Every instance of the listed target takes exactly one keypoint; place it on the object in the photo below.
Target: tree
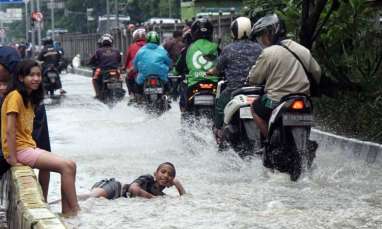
(140, 11)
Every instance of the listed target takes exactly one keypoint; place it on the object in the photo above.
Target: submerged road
(224, 191)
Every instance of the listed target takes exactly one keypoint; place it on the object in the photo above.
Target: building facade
(194, 8)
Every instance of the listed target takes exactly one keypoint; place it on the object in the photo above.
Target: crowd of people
(258, 55)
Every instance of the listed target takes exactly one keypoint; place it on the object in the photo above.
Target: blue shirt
(152, 59)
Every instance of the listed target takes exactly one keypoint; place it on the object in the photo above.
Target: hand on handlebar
(211, 72)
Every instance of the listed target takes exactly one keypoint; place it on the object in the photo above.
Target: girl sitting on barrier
(19, 148)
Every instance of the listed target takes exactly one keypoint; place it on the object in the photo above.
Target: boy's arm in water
(11, 138)
(178, 185)
(136, 190)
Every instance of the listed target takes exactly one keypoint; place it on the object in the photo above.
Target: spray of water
(224, 191)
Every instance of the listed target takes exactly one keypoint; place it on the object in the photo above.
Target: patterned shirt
(236, 60)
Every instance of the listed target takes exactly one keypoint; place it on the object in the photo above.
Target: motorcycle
(63, 65)
(287, 146)
(111, 89)
(239, 129)
(201, 98)
(175, 84)
(51, 80)
(154, 94)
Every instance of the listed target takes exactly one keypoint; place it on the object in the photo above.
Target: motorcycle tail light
(206, 85)
(297, 105)
(153, 82)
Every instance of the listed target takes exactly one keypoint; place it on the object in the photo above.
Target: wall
(25, 205)
(190, 9)
(86, 44)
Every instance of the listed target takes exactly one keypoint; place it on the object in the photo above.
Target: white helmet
(241, 28)
(139, 34)
(106, 39)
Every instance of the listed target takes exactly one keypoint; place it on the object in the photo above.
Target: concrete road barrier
(26, 208)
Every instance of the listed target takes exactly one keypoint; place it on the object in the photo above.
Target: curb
(26, 207)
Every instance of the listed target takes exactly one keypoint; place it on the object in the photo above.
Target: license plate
(298, 119)
(114, 85)
(157, 90)
(52, 75)
(245, 113)
(204, 100)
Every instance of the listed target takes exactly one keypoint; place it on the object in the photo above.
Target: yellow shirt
(13, 103)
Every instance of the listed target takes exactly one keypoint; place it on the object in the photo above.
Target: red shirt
(130, 55)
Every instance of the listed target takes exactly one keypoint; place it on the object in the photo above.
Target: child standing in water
(19, 148)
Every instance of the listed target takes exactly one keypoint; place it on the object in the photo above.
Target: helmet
(241, 28)
(270, 24)
(107, 39)
(153, 37)
(99, 43)
(202, 28)
(139, 34)
(47, 41)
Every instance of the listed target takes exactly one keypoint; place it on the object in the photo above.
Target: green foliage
(74, 17)
(140, 10)
(352, 114)
(260, 8)
(350, 43)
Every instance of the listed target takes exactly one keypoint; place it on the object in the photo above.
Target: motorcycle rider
(192, 62)
(22, 48)
(174, 45)
(59, 48)
(151, 59)
(105, 58)
(50, 57)
(234, 63)
(278, 69)
(139, 40)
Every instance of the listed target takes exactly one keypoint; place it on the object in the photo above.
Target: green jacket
(201, 56)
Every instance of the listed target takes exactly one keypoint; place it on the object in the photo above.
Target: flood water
(224, 191)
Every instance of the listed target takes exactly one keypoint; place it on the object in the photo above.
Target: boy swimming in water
(146, 186)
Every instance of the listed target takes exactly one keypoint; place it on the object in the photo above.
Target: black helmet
(47, 41)
(202, 28)
(241, 28)
(270, 24)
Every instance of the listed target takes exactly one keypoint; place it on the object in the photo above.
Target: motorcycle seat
(248, 91)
